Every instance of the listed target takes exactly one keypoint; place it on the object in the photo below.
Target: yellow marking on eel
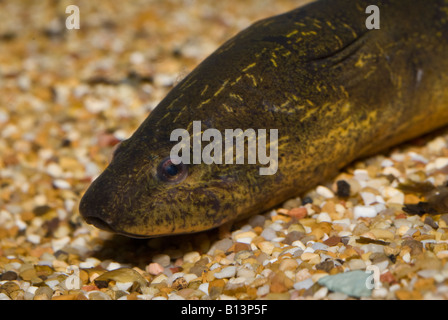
(222, 88)
(179, 114)
(236, 96)
(254, 81)
(205, 89)
(289, 35)
(203, 103)
(309, 33)
(355, 35)
(227, 107)
(250, 66)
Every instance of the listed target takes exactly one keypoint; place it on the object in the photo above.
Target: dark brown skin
(335, 91)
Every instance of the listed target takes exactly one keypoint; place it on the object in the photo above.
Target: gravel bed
(69, 96)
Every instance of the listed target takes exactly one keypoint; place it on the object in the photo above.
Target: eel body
(334, 89)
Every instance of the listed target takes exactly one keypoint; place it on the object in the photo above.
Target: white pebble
(123, 285)
(323, 217)
(321, 293)
(226, 272)
(418, 157)
(368, 198)
(192, 257)
(379, 293)
(164, 80)
(364, 212)
(52, 283)
(361, 175)
(204, 287)
(4, 117)
(304, 284)
(324, 192)
(387, 163)
(58, 244)
(436, 145)
(33, 238)
(3, 296)
(356, 264)
(391, 171)
(441, 163)
(160, 278)
(407, 257)
(113, 266)
(263, 290)
(62, 184)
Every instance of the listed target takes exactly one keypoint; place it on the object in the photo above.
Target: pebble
(163, 259)
(352, 283)
(154, 268)
(266, 247)
(190, 257)
(364, 212)
(226, 272)
(304, 284)
(324, 192)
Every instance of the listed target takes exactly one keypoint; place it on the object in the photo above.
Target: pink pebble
(154, 268)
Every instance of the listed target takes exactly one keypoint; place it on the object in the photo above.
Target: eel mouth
(103, 225)
(99, 223)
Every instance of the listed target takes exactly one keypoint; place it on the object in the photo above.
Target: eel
(334, 89)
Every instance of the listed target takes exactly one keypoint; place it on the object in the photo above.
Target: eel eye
(169, 172)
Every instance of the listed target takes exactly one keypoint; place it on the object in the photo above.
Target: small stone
(356, 264)
(325, 265)
(4, 296)
(98, 295)
(163, 259)
(239, 246)
(352, 283)
(298, 213)
(321, 293)
(266, 247)
(382, 234)
(288, 264)
(244, 235)
(221, 245)
(8, 275)
(323, 217)
(364, 212)
(307, 256)
(415, 246)
(324, 192)
(293, 236)
(269, 234)
(343, 189)
(280, 282)
(332, 241)
(45, 291)
(192, 257)
(122, 275)
(215, 288)
(179, 283)
(442, 254)
(154, 268)
(430, 221)
(403, 294)
(304, 284)
(226, 272)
